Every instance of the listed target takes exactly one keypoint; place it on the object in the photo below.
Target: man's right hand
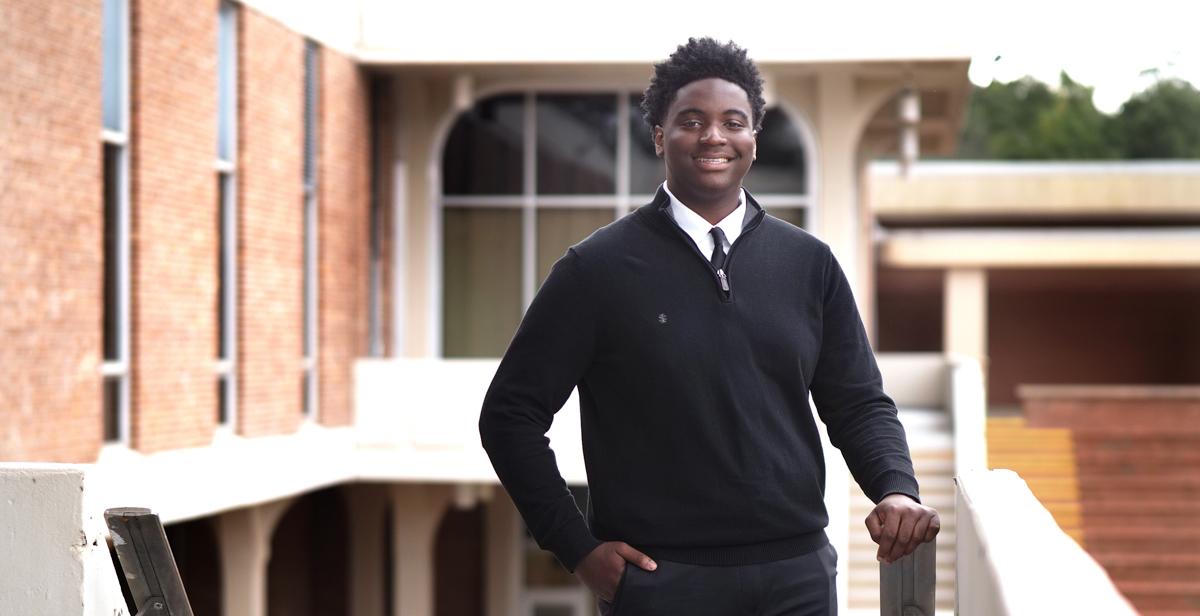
(601, 569)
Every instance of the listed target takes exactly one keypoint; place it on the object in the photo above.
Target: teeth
(714, 160)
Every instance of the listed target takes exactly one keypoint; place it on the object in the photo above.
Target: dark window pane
(222, 400)
(112, 253)
(481, 282)
(222, 257)
(561, 228)
(646, 170)
(576, 144)
(112, 408)
(794, 215)
(311, 67)
(780, 165)
(485, 150)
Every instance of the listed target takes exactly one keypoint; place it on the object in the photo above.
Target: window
(227, 214)
(311, 83)
(114, 85)
(525, 176)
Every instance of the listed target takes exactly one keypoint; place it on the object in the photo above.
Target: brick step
(1180, 567)
(1137, 520)
(1162, 595)
(1112, 505)
(1174, 485)
(1142, 540)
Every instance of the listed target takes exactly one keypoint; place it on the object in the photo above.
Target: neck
(712, 208)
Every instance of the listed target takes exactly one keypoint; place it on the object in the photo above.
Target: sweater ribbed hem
(894, 482)
(571, 543)
(734, 555)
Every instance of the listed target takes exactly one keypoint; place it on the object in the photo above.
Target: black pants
(802, 586)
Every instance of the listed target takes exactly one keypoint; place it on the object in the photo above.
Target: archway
(307, 573)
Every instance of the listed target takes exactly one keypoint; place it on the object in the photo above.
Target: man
(695, 329)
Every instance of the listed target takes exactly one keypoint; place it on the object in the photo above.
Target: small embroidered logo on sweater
(662, 318)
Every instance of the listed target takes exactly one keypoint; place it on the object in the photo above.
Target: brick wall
(51, 231)
(175, 233)
(344, 218)
(270, 212)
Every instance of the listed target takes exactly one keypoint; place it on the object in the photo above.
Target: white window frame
(622, 202)
(118, 137)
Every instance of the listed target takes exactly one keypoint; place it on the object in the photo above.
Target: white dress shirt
(697, 228)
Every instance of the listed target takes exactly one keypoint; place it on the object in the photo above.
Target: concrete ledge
(1013, 559)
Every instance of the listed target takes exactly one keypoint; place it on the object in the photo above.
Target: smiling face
(708, 142)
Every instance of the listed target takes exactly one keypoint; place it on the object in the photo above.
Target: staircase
(931, 443)
(1045, 458)
(1136, 481)
(1140, 493)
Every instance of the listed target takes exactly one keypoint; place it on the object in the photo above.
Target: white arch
(445, 124)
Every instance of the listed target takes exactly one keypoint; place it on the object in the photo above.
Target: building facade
(261, 269)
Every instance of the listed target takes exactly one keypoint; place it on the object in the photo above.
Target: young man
(695, 329)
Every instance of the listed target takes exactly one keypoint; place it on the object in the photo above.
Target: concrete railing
(54, 555)
(1013, 559)
(969, 414)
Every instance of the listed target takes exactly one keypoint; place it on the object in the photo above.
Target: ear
(657, 134)
(754, 148)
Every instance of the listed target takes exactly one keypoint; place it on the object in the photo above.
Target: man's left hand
(899, 524)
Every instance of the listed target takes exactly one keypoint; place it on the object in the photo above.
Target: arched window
(525, 176)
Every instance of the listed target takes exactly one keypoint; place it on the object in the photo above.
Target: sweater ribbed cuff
(894, 482)
(571, 543)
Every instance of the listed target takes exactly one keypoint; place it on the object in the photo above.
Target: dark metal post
(147, 562)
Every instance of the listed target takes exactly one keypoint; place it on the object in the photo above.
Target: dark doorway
(458, 563)
(309, 558)
(195, 548)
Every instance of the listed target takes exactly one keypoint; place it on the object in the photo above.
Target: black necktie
(718, 253)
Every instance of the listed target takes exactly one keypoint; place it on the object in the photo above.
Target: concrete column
(416, 512)
(837, 137)
(504, 549)
(964, 321)
(367, 506)
(244, 538)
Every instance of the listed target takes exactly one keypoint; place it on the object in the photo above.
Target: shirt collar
(697, 228)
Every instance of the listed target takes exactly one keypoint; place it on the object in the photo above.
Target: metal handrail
(149, 568)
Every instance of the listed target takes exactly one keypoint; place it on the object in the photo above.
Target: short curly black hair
(702, 58)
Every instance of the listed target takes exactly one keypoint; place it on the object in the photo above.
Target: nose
(712, 134)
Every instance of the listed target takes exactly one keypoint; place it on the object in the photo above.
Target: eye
(734, 125)
(691, 124)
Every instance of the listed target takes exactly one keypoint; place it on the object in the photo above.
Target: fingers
(630, 554)
(874, 526)
(904, 533)
(887, 534)
(935, 525)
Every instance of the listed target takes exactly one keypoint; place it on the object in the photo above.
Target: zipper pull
(724, 280)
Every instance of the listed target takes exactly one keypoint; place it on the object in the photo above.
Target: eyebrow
(696, 110)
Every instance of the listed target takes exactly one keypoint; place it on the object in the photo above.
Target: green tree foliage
(1027, 120)
(1162, 122)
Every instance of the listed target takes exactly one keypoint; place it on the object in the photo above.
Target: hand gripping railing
(906, 587)
(147, 562)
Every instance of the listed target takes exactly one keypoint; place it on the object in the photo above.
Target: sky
(1118, 48)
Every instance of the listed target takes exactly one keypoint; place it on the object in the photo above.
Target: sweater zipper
(722, 277)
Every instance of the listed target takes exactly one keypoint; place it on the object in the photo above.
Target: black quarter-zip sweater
(698, 439)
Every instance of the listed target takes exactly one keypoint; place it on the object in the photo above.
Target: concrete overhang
(1041, 248)
(945, 192)
(624, 31)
